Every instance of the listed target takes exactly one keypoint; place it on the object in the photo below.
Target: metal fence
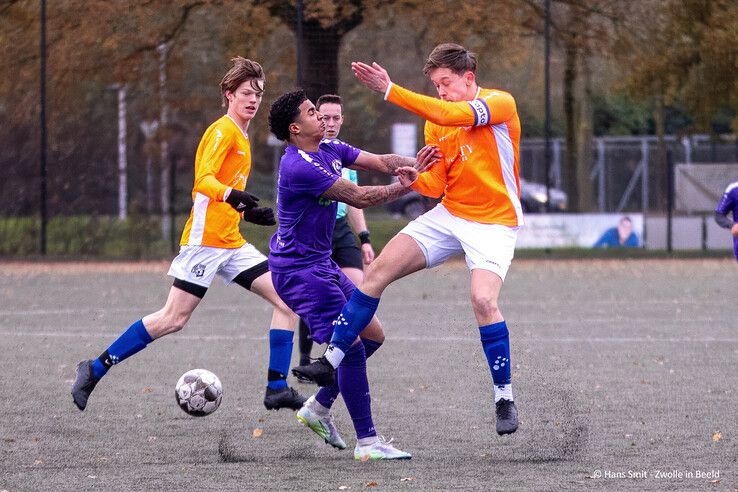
(620, 163)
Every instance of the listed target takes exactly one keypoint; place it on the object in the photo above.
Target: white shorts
(200, 264)
(441, 235)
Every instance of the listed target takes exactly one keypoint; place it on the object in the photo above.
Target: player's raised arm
(492, 109)
(347, 192)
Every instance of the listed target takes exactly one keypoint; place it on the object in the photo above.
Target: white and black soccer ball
(198, 392)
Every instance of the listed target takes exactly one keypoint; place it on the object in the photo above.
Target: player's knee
(485, 305)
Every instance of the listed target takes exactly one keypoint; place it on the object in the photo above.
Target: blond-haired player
(212, 245)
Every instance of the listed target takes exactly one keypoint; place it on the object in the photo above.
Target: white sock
(367, 441)
(316, 407)
(503, 391)
(334, 355)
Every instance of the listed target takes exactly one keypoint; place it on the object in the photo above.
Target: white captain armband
(481, 112)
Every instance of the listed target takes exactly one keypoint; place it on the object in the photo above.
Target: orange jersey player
(480, 140)
(222, 163)
(212, 246)
(478, 131)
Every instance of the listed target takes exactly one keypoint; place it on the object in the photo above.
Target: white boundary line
(390, 338)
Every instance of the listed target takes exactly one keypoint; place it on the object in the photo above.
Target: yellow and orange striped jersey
(480, 141)
(223, 160)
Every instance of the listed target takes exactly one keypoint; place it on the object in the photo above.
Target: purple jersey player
(305, 276)
(728, 204)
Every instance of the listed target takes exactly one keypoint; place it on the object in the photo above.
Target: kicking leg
(402, 256)
(171, 318)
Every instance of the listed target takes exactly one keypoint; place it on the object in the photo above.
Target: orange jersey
(223, 160)
(480, 142)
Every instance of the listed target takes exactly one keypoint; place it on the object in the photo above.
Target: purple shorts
(316, 294)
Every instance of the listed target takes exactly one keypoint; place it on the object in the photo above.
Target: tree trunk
(319, 68)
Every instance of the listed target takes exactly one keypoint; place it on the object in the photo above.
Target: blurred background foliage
(618, 68)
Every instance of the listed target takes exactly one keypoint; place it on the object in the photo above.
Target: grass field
(624, 374)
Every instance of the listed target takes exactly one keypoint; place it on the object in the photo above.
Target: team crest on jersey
(336, 165)
(199, 270)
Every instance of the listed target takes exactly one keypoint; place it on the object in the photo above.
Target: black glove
(241, 200)
(259, 216)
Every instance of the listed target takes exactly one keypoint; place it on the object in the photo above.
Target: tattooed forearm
(393, 161)
(364, 196)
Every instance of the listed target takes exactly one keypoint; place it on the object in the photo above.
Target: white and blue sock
(355, 315)
(280, 355)
(133, 340)
(496, 345)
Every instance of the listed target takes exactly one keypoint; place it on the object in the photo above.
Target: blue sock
(355, 315)
(328, 394)
(280, 354)
(370, 346)
(133, 340)
(355, 390)
(496, 345)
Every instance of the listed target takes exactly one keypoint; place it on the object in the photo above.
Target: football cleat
(381, 449)
(507, 416)
(283, 398)
(303, 380)
(84, 383)
(321, 372)
(323, 426)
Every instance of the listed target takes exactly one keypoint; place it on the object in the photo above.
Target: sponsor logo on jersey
(324, 202)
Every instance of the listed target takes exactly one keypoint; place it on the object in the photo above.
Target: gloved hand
(241, 200)
(259, 216)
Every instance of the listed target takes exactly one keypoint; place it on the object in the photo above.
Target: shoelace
(383, 440)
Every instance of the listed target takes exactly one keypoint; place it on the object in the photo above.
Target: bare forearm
(356, 219)
(394, 161)
(366, 196)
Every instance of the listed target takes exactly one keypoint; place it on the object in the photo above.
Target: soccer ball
(198, 392)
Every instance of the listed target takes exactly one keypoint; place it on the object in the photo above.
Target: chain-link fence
(619, 164)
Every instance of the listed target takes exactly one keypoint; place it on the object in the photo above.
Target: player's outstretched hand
(407, 175)
(374, 77)
(241, 200)
(734, 230)
(259, 216)
(426, 157)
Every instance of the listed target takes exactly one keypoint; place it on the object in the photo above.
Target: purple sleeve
(729, 199)
(348, 152)
(307, 176)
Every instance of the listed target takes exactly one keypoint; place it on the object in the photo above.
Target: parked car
(532, 199)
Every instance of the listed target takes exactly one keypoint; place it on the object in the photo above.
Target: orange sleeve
(496, 107)
(432, 183)
(216, 146)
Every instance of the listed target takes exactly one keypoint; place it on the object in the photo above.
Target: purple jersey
(729, 201)
(306, 220)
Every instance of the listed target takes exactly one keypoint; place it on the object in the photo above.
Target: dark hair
(452, 56)
(284, 111)
(328, 99)
(241, 71)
